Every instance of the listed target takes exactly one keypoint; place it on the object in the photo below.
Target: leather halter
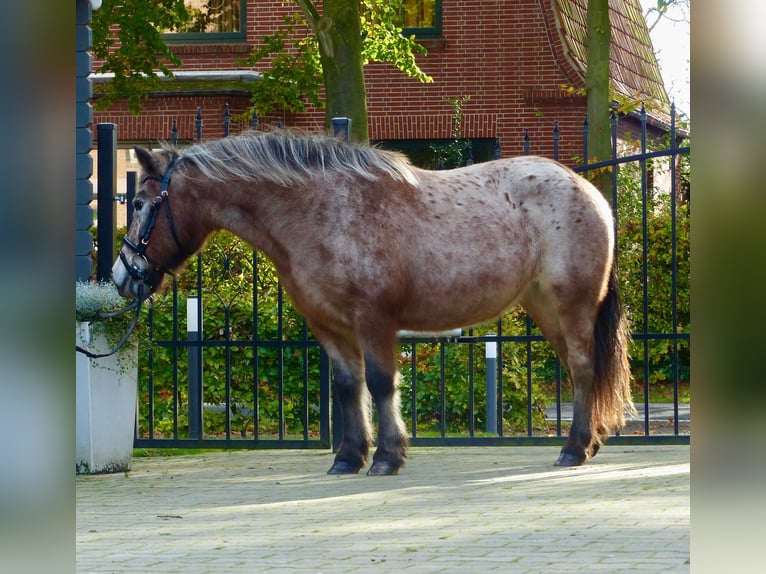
(139, 249)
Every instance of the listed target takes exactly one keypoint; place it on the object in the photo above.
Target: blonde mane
(289, 159)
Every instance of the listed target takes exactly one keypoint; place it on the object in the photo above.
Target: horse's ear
(145, 159)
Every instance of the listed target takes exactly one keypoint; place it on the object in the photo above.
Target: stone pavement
(464, 509)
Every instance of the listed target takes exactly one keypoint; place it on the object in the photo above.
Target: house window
(423, 18)
(211, 21)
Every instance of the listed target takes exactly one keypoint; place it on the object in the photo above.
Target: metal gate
(226, 362)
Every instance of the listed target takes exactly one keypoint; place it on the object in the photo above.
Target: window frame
(178, 38)
(434, 31)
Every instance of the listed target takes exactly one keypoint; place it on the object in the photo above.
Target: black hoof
(382, 468)
(344, 467)
(569, 459)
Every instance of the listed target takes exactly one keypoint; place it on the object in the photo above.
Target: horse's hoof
(383, 468)
(344, 467)
(569, 459)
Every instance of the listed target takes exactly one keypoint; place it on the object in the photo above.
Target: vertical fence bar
(615, 172)
(226, 120)
(106, 194)
(227, 368)
(198, 124)
(414, 393)
(175, 358)
(674, 263)
(471, 389)
(254, 120)
(130, 195)
(256, 354)
(442, 392)
(281, 360)
(305, 344)
(174, 133)
(150, 382)
(528, 348)
(585, 141)
(325, 402)
(644, 267)
(556, 136)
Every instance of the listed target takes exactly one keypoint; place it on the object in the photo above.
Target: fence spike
(526, 141)
(198, 124)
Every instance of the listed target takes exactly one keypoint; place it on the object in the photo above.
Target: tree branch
(311, 13)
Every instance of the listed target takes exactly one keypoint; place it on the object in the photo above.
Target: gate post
(194, 333)
(490, 356)
(106, 192)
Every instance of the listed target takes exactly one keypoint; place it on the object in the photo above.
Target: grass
(155, 452)
(661, 392)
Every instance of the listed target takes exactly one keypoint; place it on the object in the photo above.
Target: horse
(366, 244)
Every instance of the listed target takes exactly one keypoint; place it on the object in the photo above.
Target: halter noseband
(139, 249)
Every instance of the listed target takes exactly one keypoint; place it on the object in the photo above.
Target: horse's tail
(612, 369)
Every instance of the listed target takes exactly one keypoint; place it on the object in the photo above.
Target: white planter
(107, 393)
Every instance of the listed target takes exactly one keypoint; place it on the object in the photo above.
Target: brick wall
(499, 52)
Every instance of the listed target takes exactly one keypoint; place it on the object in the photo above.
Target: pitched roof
(634, 70)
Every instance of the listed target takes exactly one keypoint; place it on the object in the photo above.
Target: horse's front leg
(353, 401)
(392, 440)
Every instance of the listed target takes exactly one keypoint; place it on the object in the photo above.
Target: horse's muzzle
(130, 278)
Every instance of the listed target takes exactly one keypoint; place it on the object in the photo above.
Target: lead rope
(137, 305)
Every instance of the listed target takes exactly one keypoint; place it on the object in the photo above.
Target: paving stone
(490, 509)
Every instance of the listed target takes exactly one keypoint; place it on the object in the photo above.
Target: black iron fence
(226, 361)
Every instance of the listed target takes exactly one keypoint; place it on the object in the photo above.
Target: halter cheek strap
(139, 248)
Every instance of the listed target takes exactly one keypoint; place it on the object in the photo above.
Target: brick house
(511, 57)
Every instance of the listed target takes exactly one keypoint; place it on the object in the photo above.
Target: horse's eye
(138, 204)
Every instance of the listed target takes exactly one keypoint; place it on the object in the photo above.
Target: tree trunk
(597, 90)
(338, 30)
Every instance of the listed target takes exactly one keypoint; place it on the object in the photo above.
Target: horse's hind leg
(569, 328)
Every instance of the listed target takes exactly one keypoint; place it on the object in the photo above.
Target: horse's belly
(461, 303)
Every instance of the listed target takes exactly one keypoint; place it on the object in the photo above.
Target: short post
(106, 194)
(341, 128)
(194, 334)
(490, 355)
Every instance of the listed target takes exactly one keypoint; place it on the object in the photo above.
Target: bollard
(194, 333)
(490, 355)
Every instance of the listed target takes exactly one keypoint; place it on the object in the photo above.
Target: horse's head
(152, 247)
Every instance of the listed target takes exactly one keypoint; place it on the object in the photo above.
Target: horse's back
(480, 236)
